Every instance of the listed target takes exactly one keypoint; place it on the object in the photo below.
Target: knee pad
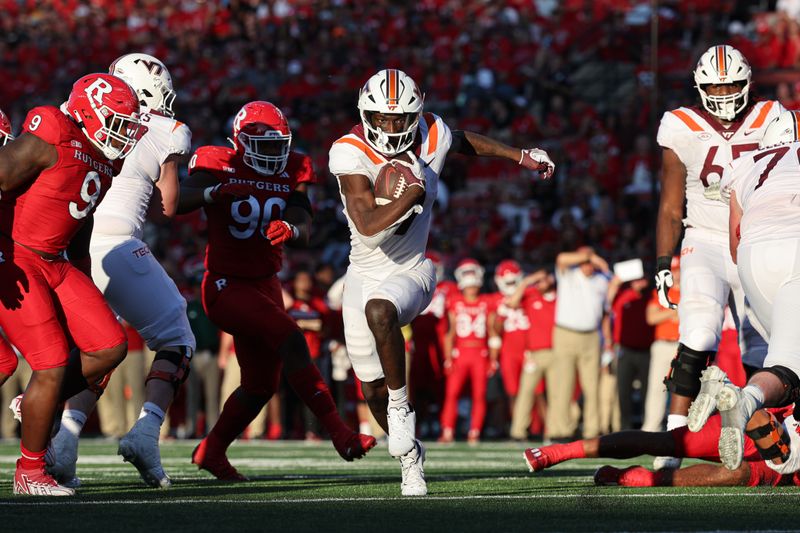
(180, 358)
(779, 445)
(791, 384)
(684, 374)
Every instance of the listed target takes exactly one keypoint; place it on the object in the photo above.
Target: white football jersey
(705, 148)
(124, 208)
(767, 187)
(405, 249)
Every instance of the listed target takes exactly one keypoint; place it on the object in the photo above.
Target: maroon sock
(240, 409)
(311, 388)
(563, 452)
(31, 460)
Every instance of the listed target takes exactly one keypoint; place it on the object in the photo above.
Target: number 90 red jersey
(47, 212)
(236, 243)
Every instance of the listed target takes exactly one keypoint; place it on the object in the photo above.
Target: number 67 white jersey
(705, 148)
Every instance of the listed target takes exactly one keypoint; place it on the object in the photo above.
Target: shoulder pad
(180, 139)
(213, 159)
(437, 136)
(351, 155)
(50, 124)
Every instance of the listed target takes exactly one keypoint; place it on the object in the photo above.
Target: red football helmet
(469, 273)
(107, 111)
(5, 129)
(507, 276)
(261, 134)
(438, 263)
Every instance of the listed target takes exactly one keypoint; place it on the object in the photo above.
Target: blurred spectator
(14, 385)
(119, 406)
(582, 286)
(662, 351)
(232, 378)
(203, 385)
(632, 337)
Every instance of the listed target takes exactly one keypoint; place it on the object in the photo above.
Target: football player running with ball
(254, 196)
(697, 143)
(389, 280)
(52, 177)
(135, 285)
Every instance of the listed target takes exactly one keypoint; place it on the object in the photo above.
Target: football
(393, 179)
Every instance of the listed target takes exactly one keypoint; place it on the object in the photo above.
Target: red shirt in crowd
(630, 325)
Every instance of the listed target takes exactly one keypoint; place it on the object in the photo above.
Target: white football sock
(73, 420)
(153, 413)
(676, 421)
(399, 397)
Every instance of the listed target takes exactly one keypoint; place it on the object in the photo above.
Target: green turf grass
(299, 487)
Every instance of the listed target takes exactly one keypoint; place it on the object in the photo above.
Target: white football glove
(537, 159)
(663, 284)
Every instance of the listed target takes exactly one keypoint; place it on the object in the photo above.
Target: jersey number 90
(249, 216)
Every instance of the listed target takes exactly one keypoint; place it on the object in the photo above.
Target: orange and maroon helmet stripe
(392, 86)
(722, 61)
(795, 116)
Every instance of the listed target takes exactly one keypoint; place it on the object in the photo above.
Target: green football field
(299, 487)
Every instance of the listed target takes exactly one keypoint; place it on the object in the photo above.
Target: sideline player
(763, 190)
(254, 196)
(770, 436)
(133, 282)
(389, 281)
(696, 144)
(469, 354)
(52, 178)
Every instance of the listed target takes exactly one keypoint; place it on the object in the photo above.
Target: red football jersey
(515, 326)
(236, 242)
(472, 319)
(47, 212)
(541, 311)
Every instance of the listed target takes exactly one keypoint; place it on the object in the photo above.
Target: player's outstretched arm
(23, 159)
(669, 224)
(368, 217)
(195, 191)
(475, 144)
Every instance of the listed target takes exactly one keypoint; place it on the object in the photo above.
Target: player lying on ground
(770, 439)
(255, 197)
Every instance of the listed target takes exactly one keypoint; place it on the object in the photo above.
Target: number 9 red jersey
(47, 213)
(236, 242)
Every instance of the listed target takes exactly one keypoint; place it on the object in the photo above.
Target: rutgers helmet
(507, 276)
(469, 273)
(261, 134)
(722, 65)
(390, 92)
(783, 129)
(6, 135)
(107, 111)
(149, 78)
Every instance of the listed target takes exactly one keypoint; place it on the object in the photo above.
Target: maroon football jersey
(236, 242)
(47, 212)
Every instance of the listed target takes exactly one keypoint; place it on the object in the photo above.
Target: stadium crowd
(568, 76)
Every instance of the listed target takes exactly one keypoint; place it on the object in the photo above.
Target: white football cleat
(664, 462)
(733, 408)
(413, 472)
(140, 448)
(402, 429)
(61, 458)
(712, 380)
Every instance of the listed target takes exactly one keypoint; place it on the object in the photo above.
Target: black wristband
(663, 263)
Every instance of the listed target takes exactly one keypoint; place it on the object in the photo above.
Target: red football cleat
(210, 458)
(37, 482)
(538, 459)
(353, 445)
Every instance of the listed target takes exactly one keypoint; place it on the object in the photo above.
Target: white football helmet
(722, 65)
(783, 129)
(149, 77)
(469, 273)
(390, 92)
(507, 277)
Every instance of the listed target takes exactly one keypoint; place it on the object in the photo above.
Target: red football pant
(252, 311)
(705, 443)
(472, 365)
(511, 361)
(47, 305)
